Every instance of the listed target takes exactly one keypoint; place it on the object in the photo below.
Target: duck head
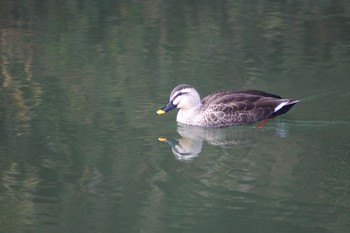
(183, 96)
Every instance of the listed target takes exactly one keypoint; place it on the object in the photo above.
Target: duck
(225, 108)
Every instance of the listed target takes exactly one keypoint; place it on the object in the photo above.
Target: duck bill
(167, 108)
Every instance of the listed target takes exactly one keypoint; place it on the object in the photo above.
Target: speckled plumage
(225, 108)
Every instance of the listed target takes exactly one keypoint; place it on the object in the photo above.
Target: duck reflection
(190, 144)
(185, 148)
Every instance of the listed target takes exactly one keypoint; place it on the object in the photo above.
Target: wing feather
(242, 107)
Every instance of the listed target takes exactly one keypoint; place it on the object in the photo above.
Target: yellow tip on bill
(160, 112)
(162, 139)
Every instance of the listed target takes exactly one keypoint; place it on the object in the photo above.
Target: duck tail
(285, 108)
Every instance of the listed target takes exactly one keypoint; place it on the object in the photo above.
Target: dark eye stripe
(178, 94)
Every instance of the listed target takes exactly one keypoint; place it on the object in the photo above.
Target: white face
(179, 96)
(185, 98)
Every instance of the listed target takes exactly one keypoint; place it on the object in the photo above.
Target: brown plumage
(225, 108)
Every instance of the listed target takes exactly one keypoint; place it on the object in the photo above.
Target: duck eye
(176, 99)
(179, 94)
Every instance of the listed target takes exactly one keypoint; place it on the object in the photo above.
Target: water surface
(80, 84)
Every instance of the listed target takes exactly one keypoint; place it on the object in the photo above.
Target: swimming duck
(225, 108)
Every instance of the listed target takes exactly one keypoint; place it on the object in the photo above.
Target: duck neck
(188, 116)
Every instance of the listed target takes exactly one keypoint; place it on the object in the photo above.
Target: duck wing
(220, 94)
(256, 92)
(222, 109)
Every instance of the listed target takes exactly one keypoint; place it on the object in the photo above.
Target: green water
(80, 84)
